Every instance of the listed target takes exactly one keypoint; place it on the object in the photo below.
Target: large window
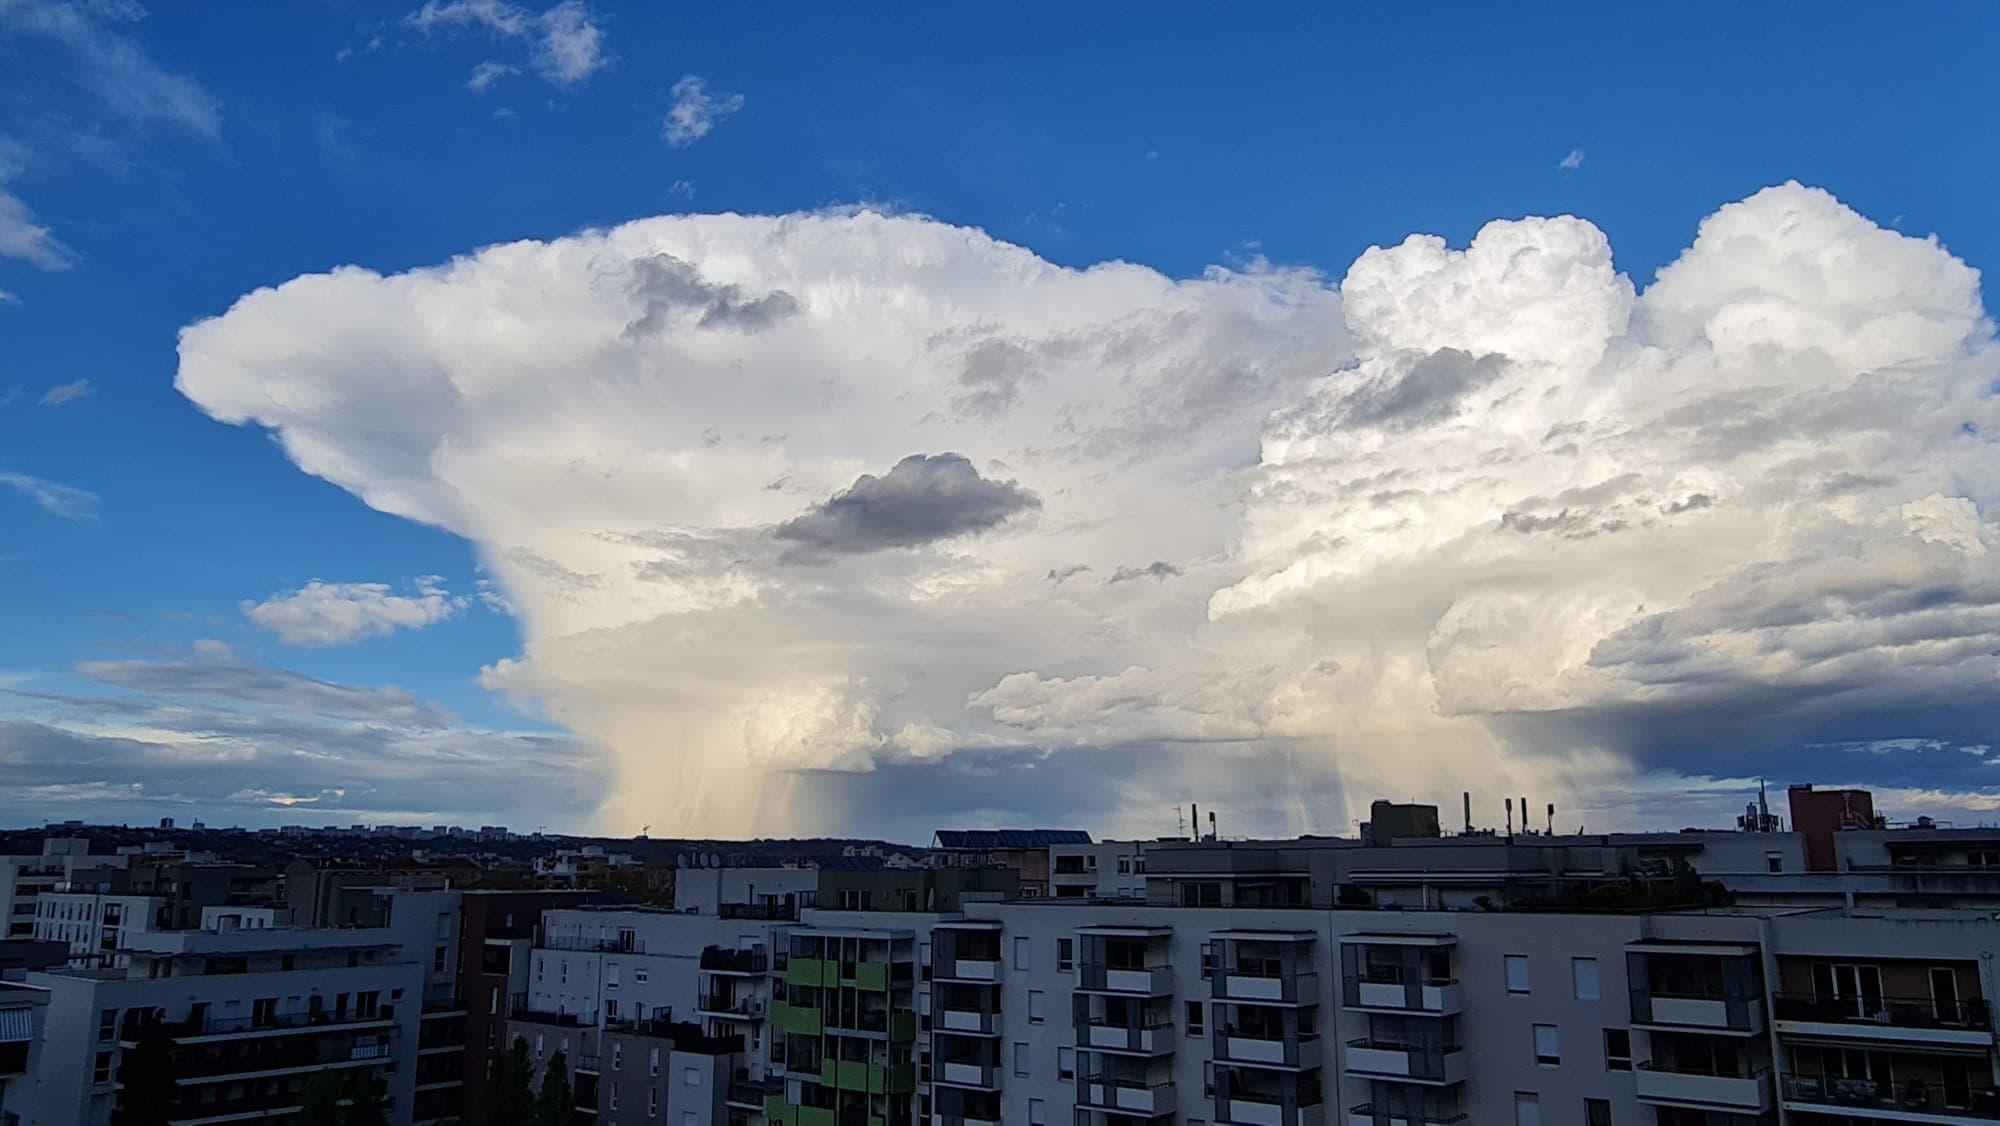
(1517, 973)
(1583, 973)
(1548, 1046)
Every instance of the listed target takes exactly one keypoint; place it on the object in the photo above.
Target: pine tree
(319, 1105)
(556, 1104)
(507, 1099)
(146, 1073)
(366, 1110)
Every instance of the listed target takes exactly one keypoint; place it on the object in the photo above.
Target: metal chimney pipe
(1552, 819)
(1468, 812)
(1194, 809)
(1510, 816)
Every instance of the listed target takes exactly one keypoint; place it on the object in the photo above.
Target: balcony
(281, 1024)
(1300, 988)
(753, 1094)
(1899, 1020)
(967, 969)
(730, 1008)
(1290, 1052)
(1150, 1039)
(1127, 1096)
(1663, 1083)
(1251, 1110)
(1379, 1059)
(741, 963)
(1145, 981)
(967, 1073)
(1393, 992)
(1897, 1102)
(974, 1022)
(1703, 987)
(288, 1056)
(799, 1020)
(1367, 1115)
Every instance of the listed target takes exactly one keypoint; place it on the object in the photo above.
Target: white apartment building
(97, 926)
(1098, 870)
(24, 878)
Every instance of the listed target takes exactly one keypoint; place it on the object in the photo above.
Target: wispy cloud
(1573, 161)
(565, 45)
(55, 498)
(695, 112)
(63, 394)
(23, 238)
(7, 298)
(487, 73)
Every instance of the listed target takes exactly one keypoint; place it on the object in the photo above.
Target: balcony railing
(716, 959)
(293, 1056)
(1367, 1112)
(1900, 1012)
(277, 1022)
(1920, 1098)
(1150, 981)
(593, 945)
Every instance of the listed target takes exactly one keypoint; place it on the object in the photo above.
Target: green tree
(319, 1104)
(507, 1099)
(556, 1104)
(146, 1074)
(367, 1092)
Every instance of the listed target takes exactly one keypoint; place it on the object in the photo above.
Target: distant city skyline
(601, 416)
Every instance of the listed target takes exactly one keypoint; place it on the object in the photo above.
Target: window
(611, 975)
(1065, 954)
(1020, 1059)
(611, 1008)
(1617, 1050)
(100, 1069)
(1037, 1006)
(617, 1054)
(1065, 1063)
(691, 1076)
(1774, 862)
(1548, 1046)
(1207, 960)
(1020, 953)
(1583, 973)
(1038, 1113)
(1194, 1018)
(614, 1096)
(638, 976)
(438, 959)
(653, 1062)
(107, 1024)
(1124, 865)
(1201, 893)
(652, 1101)
(1596, 1112)
(1527, 1109)
(1517, 973)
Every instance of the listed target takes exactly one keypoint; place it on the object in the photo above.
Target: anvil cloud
(788, 503)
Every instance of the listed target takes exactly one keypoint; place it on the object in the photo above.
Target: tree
(556, 1104)
(319, 1104)
(366, 1110)
(147, 1074)
(507, 1100)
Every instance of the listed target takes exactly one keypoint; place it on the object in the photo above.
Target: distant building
(1026, 851)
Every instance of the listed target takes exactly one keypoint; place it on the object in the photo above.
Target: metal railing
(1972, 1013)
(1714, 1069)
(1367, 1110)
(1873, 1093)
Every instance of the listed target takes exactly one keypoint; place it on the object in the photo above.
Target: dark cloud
(1059, 575)
(1429, 390)
(670, 288)
(264, 686)
(925, 498)
(1158, 569)
(992, 376)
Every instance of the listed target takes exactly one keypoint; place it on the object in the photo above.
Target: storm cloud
(922, 499)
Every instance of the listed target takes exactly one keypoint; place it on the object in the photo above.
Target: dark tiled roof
(1009, 838)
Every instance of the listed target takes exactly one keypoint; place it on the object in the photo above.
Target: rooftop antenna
(1468, 812)
(1524, 818)
(1211, 826)
(1510, 815)
(1196, 807)
(1180, 823)
(1552, 819)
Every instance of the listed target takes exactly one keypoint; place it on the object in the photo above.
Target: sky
(608, 416)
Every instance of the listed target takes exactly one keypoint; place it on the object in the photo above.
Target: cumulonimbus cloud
(1489, 514)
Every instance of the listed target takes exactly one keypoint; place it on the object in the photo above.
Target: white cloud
(565, 45)
(63, 394)
(1573, 161)
(23, 238)
(66, 501)
(7, 298)
(695, 112)
(322, 613)
(1486, 514)
(486, 74)
(111, 65)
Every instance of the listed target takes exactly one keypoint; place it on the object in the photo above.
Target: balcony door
(1944, 994)
(1857, 989)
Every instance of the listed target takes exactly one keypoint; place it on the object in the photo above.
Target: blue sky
(182, 157)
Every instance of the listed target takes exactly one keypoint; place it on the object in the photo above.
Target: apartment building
(24, 878)
(96, 926)
(1098, 870)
